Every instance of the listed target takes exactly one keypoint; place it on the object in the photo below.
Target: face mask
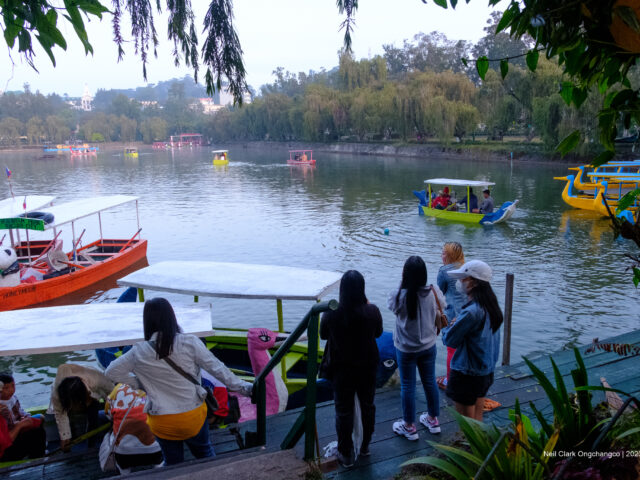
(461, 287)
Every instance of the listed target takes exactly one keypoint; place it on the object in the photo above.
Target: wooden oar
(130, 241)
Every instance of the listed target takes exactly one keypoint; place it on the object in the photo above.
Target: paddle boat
(220, 157)
(458, 213)
(301, 157)
(46, 274)
(131, 152)
(83, 151)
(249, 281)
(583, 182)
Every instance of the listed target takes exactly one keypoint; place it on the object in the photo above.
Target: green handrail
(310, 322)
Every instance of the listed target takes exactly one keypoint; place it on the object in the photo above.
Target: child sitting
(27, 435)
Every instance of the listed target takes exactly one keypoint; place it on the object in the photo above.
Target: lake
(570, 283)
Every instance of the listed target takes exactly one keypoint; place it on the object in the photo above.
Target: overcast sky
(299, 35)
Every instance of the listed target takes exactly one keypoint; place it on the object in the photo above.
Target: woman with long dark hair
(415, 305)
(476, 337)
(177, 412)
(352, 351)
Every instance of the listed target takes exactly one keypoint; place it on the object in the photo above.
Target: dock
(388, 450)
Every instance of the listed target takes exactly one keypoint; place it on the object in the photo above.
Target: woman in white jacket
(175, 406)
(415, 307)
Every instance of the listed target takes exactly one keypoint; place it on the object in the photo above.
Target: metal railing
(306, 421)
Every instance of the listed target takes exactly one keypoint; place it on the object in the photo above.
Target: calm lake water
(570, 284)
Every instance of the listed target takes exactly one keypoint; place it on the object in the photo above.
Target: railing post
(261, 411)
(508, 307)
(312, 374)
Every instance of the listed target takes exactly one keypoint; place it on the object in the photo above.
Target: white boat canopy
(72, 211)
(234, 280)
(458, 182)
(12, 207)
(81, 327)
(219, 151)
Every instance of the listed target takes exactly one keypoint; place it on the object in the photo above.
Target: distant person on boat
(351, 362)
(487, 204)
(452, 258)
(475, 334)
(415, 305)
(441, 202)
(167, 367)
(473, 201)
(21, 435)
(78, 389)
(303, 158)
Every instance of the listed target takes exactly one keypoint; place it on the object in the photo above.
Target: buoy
(386, 231)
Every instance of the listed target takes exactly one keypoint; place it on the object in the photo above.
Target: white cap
(473, 268)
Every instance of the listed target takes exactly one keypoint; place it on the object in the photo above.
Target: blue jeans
(426, 363)
(200, 446)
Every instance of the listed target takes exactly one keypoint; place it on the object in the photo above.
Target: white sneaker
(431, 423)
(401, 429)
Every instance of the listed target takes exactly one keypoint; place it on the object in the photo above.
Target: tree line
(419, 91)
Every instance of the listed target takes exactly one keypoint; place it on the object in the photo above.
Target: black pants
(29, 443)
(346, 383)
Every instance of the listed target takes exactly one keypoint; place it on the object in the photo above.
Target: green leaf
(636, 276)
(628, 16)
(627, 200)
(507, 16)
(631, 431)
(440, 464)
(566, 92)
(602, 158)
(482, 66)
(532, 59)
(504, 68)
(569, 143)
(465, 62)
(579, 95)
(441, 3)
(453, 3)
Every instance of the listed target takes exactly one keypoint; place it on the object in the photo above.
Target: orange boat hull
(71, 287)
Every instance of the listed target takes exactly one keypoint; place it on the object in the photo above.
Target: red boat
(49, 276)
(301, 157)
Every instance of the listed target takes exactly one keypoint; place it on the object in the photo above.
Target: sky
(298, 35)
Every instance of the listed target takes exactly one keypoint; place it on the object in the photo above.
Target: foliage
(573, 415)
(626, 433)
(502, 454)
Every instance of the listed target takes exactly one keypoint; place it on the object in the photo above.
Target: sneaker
(345, 461)
(431, 423)
(364, 451)
(401, 429)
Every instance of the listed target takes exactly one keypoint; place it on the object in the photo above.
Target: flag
(6, 169)
(24, 203)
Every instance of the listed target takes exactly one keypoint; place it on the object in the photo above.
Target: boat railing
(306, 421)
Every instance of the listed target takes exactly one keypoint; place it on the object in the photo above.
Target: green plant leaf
(628, 16)
(566, 92)
(507, 16)
(627, 200)
(631, 431)
(569, 143)
(482, 66)
(441, 3)
(636, 276)
(440, 464)
(504, 68)
(602, 158)
(532, 59)
(463, 459)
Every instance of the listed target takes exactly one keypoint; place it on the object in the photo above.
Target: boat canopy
(459, 182)
(234, 280)
(82, 327)
(72, 211)
(219, 151)
(622, 175)
(11, 207)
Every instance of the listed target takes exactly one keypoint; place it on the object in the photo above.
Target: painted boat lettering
(19, 291)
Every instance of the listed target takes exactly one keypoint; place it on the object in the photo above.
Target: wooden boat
(220, 157)
(73, 273)
(506, 210)
(131, 152)
(301, 157)
(248, 281)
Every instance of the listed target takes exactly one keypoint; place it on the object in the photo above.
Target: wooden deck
(388, 450)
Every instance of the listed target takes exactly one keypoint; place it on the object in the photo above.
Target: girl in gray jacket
(415, 307)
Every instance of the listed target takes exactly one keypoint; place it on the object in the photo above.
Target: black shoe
(345, 461)
(364, 451)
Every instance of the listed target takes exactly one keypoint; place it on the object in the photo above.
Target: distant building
(227, 99)
(148, 104)
(86, 100)
(209, 107)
